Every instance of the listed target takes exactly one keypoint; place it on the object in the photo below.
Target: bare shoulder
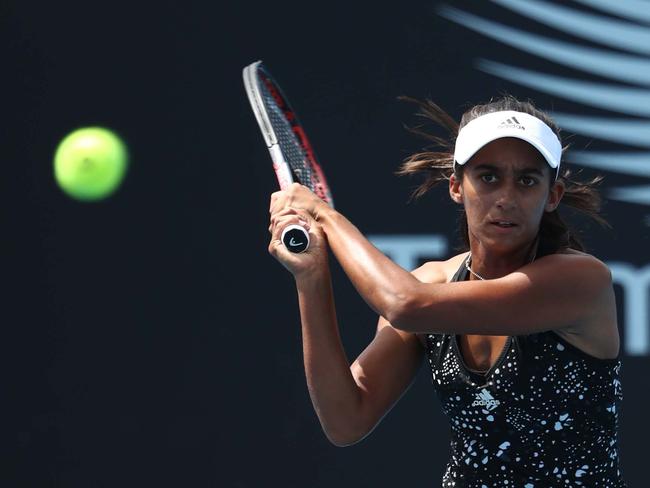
(438, 272)
(575, 274)
(574, 252)
(599, 335)
(576, 266)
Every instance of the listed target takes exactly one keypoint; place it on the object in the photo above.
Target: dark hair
(438, 165)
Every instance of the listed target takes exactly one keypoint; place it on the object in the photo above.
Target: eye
(528, 181)
(488, 178)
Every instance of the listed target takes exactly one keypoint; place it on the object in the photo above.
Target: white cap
(508, 123)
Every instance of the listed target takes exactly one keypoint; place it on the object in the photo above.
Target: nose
(507, 198)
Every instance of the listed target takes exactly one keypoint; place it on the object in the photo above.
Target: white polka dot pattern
(545, 414)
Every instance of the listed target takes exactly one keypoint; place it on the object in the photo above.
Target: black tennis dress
(544, 415)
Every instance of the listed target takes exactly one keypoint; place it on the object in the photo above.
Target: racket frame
(294, 237)
(253, 74)
(280, 165)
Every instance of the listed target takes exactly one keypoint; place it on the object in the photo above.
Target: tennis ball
(90, 163)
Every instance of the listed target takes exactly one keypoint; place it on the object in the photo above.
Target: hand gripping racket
(292, 154)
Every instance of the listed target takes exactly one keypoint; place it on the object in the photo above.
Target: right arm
(349, 400)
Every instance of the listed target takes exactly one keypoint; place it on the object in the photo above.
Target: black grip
(295, 238)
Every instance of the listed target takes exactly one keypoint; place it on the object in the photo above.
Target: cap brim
(467, 153)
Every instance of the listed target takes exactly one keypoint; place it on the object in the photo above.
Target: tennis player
(520, 331)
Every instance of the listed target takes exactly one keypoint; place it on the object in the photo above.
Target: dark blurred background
(149, 339)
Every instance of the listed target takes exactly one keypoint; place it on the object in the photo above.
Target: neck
(490, 265)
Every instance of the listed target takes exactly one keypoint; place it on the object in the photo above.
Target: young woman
(520, 331)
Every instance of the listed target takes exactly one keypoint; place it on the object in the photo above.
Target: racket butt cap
(295, 238)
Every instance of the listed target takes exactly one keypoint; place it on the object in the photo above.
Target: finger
(289, 211)
(276, 200)
(281, 222)
(278, 250)
(282, 212)
(282, 202)
(278, 213)
(304, 219)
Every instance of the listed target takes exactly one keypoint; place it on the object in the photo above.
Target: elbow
(403, 312)
(347, 435)
(401, 304)
(342, 443)
(395, 318)
(343, 440)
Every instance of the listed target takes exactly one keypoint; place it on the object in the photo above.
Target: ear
(554, 196)
(455, 189)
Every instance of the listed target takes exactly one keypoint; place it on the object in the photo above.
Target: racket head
(293, 156)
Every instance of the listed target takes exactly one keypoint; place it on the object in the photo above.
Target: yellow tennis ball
(90, 163)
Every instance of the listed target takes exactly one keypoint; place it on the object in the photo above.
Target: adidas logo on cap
(511, 123)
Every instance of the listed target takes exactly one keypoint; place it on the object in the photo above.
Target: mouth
(504, 224)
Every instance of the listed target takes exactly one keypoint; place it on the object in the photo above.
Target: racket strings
(293, 144)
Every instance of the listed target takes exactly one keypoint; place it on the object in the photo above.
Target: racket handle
(295, 238)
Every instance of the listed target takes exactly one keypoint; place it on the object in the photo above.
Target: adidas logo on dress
(485, 399)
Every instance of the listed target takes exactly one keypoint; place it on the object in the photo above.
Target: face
(505, 188)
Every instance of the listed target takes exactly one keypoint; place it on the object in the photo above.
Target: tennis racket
(292, 154)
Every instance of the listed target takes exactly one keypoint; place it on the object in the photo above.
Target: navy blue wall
(141, 346)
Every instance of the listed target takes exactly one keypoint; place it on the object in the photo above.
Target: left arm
(554, 292)
(560, 291)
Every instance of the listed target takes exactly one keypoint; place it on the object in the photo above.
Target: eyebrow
(490, 167)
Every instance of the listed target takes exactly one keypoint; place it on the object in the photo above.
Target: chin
(505, 243)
